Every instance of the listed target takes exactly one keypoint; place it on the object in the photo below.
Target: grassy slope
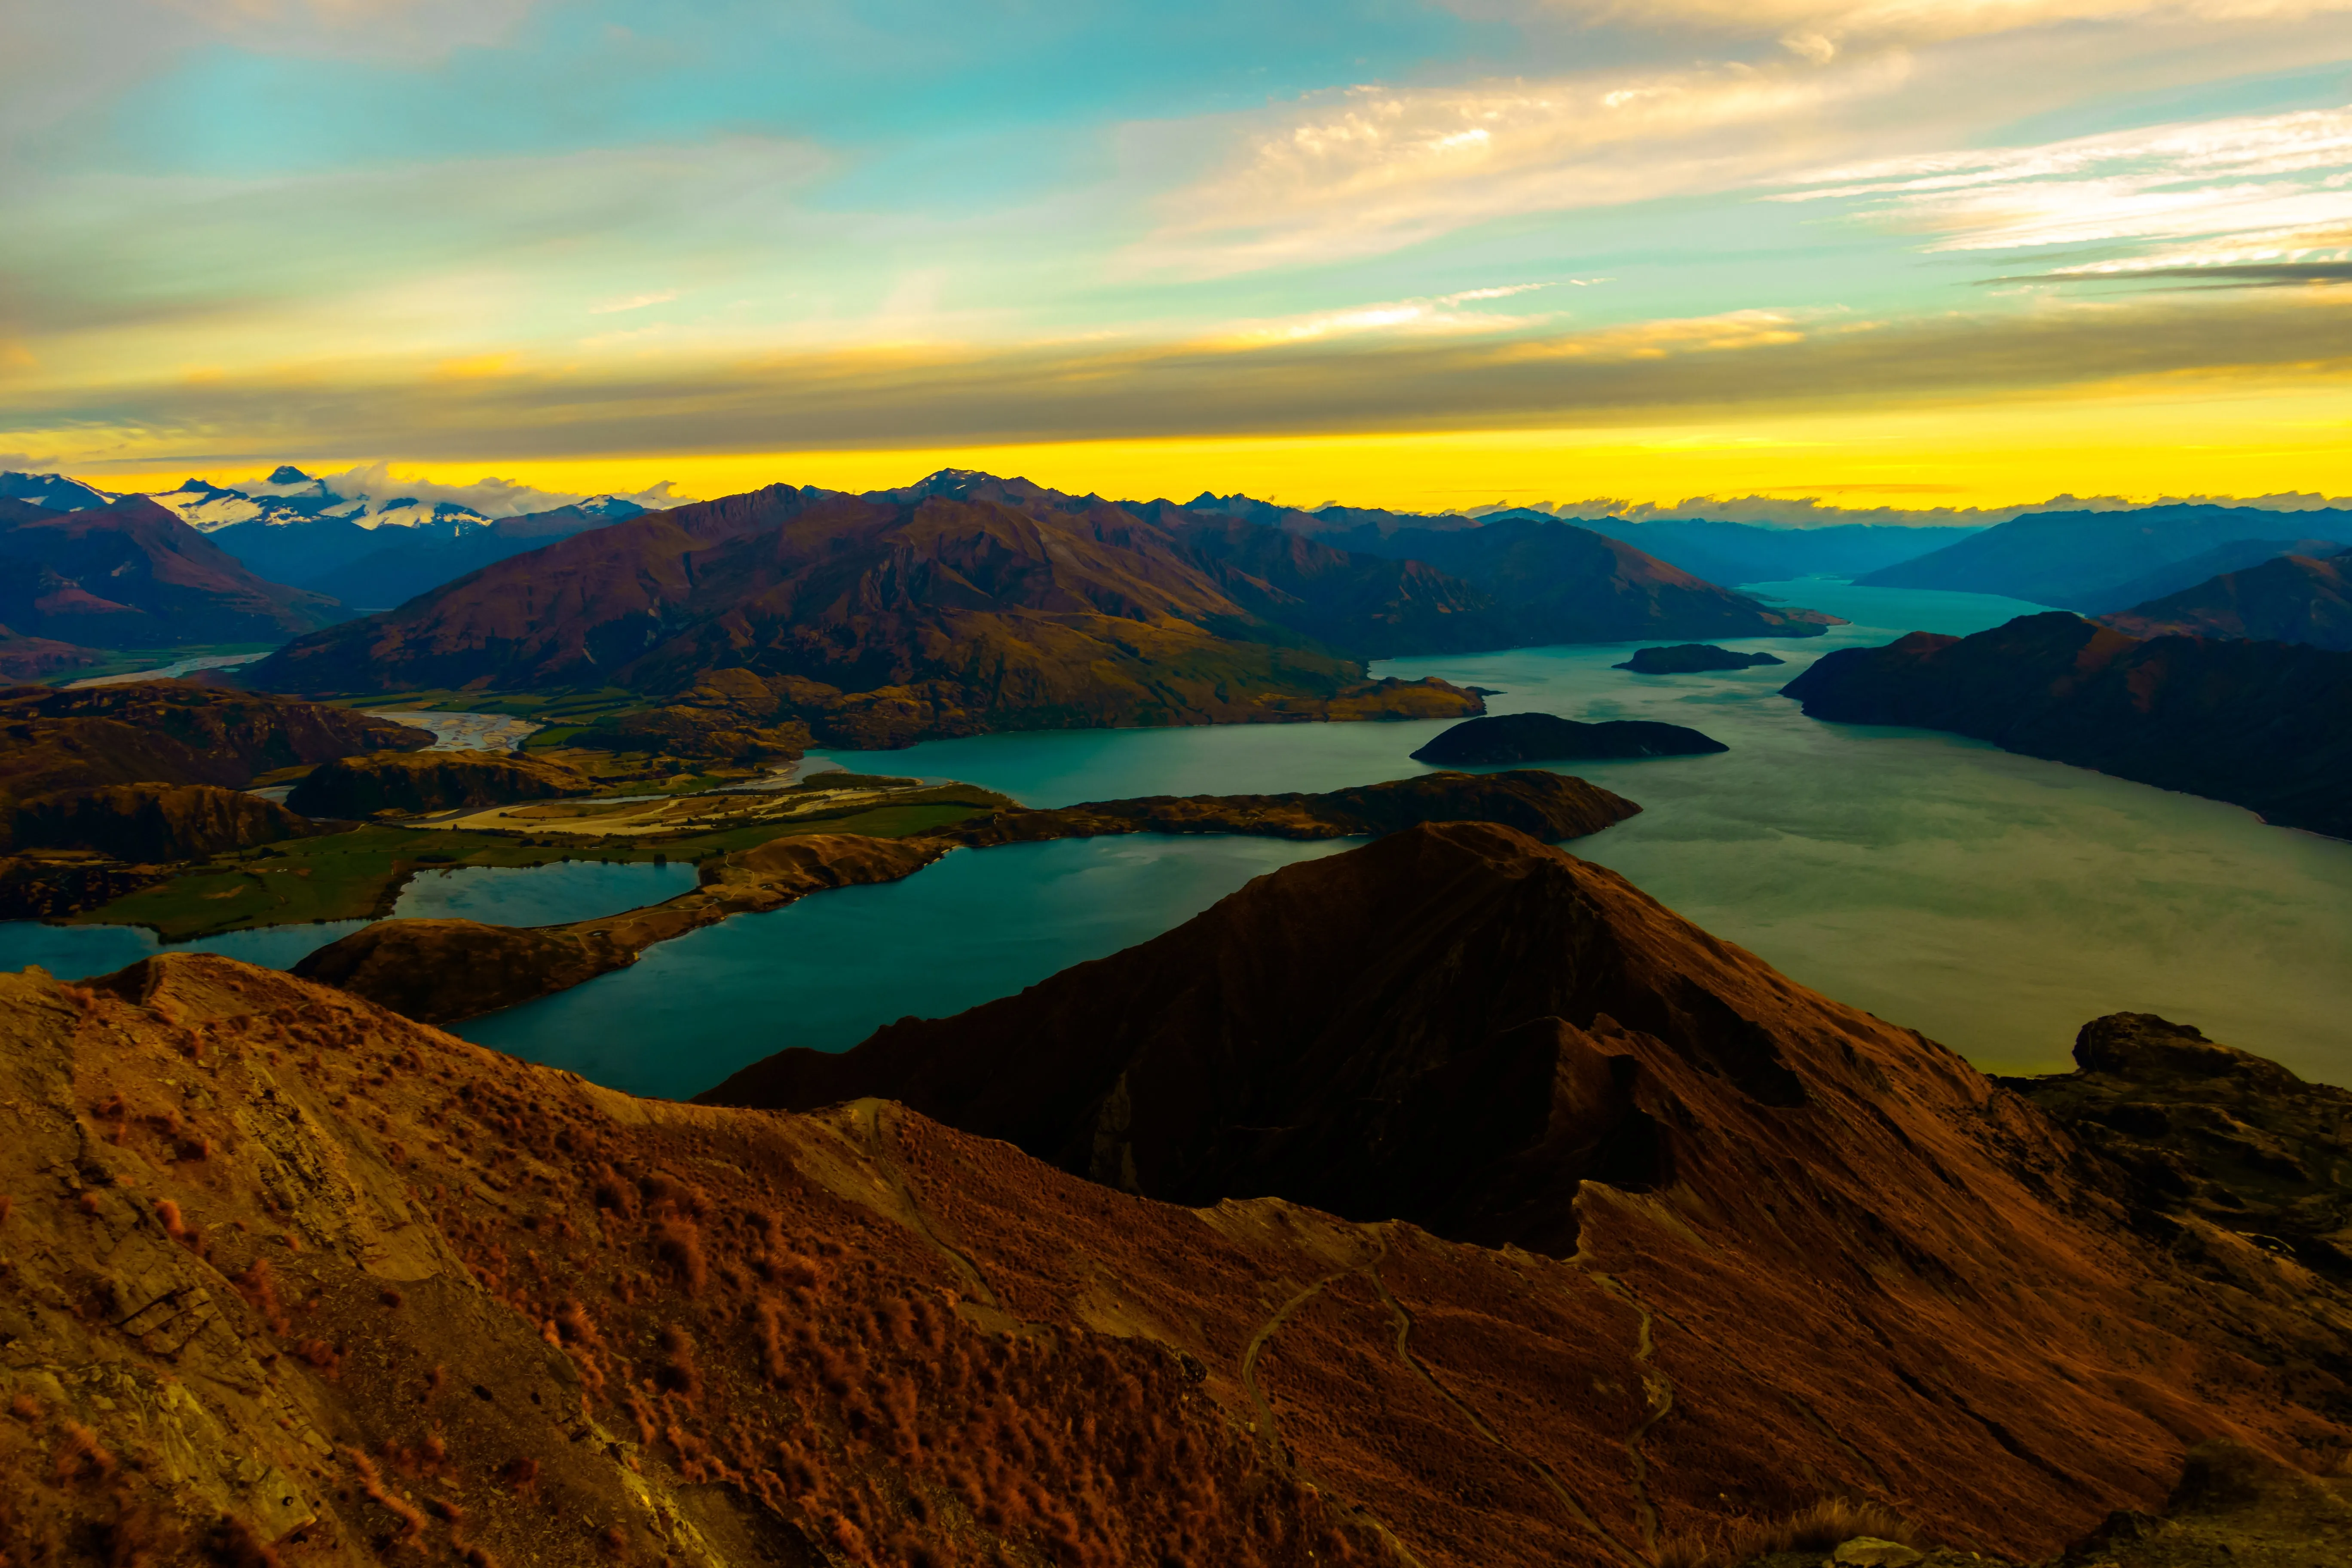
(358, 875)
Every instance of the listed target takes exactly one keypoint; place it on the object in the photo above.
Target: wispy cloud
(1817, 28)
(2253, 189)
(633, 303)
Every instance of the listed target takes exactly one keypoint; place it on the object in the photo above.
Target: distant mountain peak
(288, 474)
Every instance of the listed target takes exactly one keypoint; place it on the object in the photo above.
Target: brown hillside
(413, 782)
(172, 731)
(132, 574)
(283, 1268)
(875, 620)
(148, 822)
(2293, 598)
(37, 658)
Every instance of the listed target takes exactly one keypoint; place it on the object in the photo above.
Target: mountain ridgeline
(2102, 561)
(968, 603)
(2296, 598)
(2265, 725)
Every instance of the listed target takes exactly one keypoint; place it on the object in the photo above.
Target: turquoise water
(500, 895)
(826, 972)
(1994, 902)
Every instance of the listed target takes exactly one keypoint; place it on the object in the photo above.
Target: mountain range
(370, 554)
(968, 603)
(2102, 562)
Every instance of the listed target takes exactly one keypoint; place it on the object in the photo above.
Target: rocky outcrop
(151, 823)
(2263, 725)
(1546, 738)
(439, 971)
(172, 731)
(2214, 1150)
(1550, 806)
(1691, 658)
(2290, 598)
(129, 575)
(418, 782)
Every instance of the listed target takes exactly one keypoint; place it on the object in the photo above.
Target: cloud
(1816, 30)
(1690, 370)
(633, 303)
(1435, 313)
(488, 495)
(2247, 189)
(1373, 168)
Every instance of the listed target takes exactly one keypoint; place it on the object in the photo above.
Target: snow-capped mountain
(54, 492)
(289, 497)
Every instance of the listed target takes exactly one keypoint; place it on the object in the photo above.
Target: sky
(1907, 254)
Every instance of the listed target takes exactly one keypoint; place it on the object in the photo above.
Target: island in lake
(1548, 738)
(1691, 658)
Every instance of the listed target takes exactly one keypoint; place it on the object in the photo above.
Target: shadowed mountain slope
(2264, 725)
(2291, 598)
(1560, 583)
(2101, 561)
(131, 574)
(948, 610)
(287, 1270)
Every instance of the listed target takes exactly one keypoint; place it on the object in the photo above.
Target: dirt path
(1485, 1429)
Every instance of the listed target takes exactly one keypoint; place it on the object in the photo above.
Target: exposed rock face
(131, 574)
(1546, 738)
(1690, 658)
(2215, 1149)
(951, 609)
(2264, 725)
(2290, 598)
(36, 659)
(154, 822)
(172, 731)
(437, 972)
(344, 1279)
(431, 781)
(1547, 806)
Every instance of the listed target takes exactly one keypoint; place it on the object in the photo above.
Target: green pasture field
(358, 875)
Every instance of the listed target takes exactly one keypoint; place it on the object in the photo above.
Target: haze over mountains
(2102, 561)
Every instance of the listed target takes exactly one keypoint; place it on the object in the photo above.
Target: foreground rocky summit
(283, 1270)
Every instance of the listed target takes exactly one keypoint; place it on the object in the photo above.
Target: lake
(500, 895)
(1993, 902)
